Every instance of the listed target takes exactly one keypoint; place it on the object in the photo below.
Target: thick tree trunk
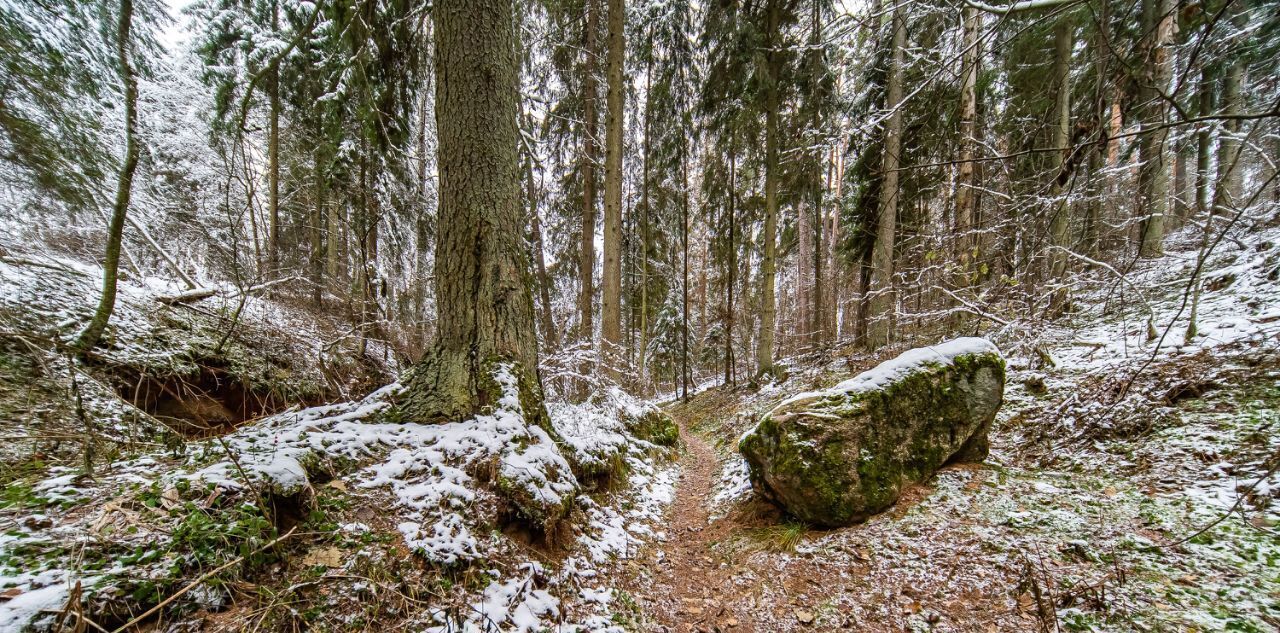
(484, 306)
(611, 280)
(587, 256)
(768, 264)
(124, 187)
(881, 303)
(1153, 175)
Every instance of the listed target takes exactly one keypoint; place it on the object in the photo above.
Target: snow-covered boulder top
(891, 371)
(836, 456)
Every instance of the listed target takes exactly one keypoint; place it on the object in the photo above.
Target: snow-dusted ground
(440, 511)
(371, 494)
(1088, 496)
(1079, 513)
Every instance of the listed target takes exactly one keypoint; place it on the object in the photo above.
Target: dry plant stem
(1235, 506)
(262, 503)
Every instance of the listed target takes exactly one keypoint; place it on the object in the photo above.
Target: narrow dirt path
(693, 590)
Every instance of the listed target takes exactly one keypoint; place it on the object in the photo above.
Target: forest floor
(1132, 482)
(1131, 487)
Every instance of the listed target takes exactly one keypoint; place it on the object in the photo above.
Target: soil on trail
(692, 587)
(744, 567)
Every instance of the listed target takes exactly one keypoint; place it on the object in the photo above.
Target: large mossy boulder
(836, 456)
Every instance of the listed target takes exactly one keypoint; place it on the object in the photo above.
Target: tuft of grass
(784, 537)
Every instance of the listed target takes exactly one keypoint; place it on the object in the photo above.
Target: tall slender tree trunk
(646, 243)
(768, 264)
(818, 314)
(730, 360)
(965, 182)
(124, 187)
(549, 334)
(1204, 140)
(317, 233)
(587, 257)
(333, 242)
(1060, 222)
(835, 268)
(804, 274)
(684, 273)
(611, 280)
(1098, 45)
(1153, 175)
(485, 308)
(1227, 190)
(881, 305)
(273, 160)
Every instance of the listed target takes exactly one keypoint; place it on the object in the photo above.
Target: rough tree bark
(881, 305)
(611, 280)
(124, 187)
(484, 308)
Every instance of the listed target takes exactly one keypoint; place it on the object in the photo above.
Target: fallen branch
(168, 259)
(1026, 5)
(22, 261)
(190, 295)
(267, 284)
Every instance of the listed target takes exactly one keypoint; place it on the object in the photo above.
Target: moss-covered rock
(837, 456)
(654, 426)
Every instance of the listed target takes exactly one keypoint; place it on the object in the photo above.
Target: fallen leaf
(338, 484)
(170, 498)
(1026, 603)
(326, 556)
(804, 616)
